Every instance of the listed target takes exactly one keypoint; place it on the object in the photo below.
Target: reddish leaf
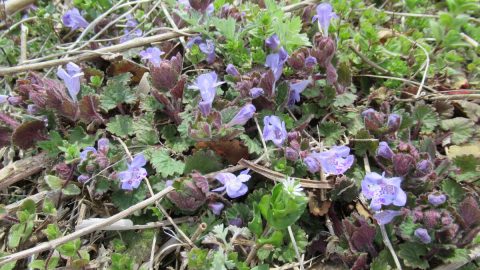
(231, 150)
(361, 234)
(5, 134)
(88, 110)
(124, 66)
(28, 133)
(469, 212)
(267, 83)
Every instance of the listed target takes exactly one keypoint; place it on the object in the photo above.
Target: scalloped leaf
(412, 253)
(462, 129)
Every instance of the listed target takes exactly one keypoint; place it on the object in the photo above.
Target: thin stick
(261, 138)
(94, 227)
(152, 252)
(294, 243)
(23, 43)
(368, 61)
(385, 238)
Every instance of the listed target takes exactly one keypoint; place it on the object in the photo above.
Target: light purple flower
(295, 90)
(152, 54)
(310, 62)
(232, 70)
(383, 191)
(386, 216)
(437, 199)
(275, 62)
(324, 15)
(384, 151)
(335, 161)
(103, 144)
(71, 78)
(234, 185)
(208, 48)
(132, 177)
(83, 178)
(186, 3)
(84, 154)
(216, 207)
(394, 121)
(32, 109)
(130, 32)
(256, 92)
(272, 42)
(422, 235)
(206, 84)
(313, 165)
(245, 113)
(73, 19)
(274, 130)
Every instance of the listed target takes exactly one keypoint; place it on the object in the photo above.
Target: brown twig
(22, 169)
(92, 228)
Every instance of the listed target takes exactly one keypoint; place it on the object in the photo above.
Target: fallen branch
(87, 230)
(22, 169)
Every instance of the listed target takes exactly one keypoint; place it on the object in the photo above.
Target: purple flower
(216, 207)
(208, 48)
(32, 109)
(83, 178)
(71, 78)
(335, 161)
(152, 54)
(424, 168)
(206, 84)
(393, 122)
(198, 5)
(310, 62)
(272, 42)
(84, 154)
(103, 145)
(245, 113)
(313, 165)
(274, 130)
(256, 92)
(275, 62)
(437, 199)
(129, 31)
(291, 154)
(132, 177)
(233, 184)
(73, 19)
(295, 90)
(324, 15)
(386, 216)
(383, 191)
(232, 70)
(423, 236)
(384, 151)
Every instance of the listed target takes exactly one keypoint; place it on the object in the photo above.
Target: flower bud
(256, 92)
(431, 218)
(310, 62)
(312, 164)
(15, 100)
(297, 60)
(384, 151)
(236, 222)
(332, 75)
(272, 42)
(103, 145)
(402, 164)
(422, 235)
(293, 135)
(63, 170)
(102, 162)
(291, 154)
(373, 120)
(436, 199)
(232, 70)
(394, 121)
(83, 178)
(424, 168)
(216, 207)
(32, 109)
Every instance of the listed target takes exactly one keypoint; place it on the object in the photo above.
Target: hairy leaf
(121, 125)
(163, 163)
(462, 129)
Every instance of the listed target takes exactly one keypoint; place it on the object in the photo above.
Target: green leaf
(263, 253)
(226, 27)
(344, 100)
(459, 255)
(425, 117)
(7, 266)
(123, 200)
(453, 189)
(407, 228)
(51, 145)
(462, 129)
(382, 261)
(256, 225)
(117, 92)
(121, 261)
(49, 207)
(331, 131)
(52, 231)
(71, 189)
(253, 145)
(412, 253)
(204, 161)
(121, 125)
(276, 239)
(472, 110)
(289, 34)
(365, 143)
(145, 129)
(70, 249)
(54, 182)
(163, 163)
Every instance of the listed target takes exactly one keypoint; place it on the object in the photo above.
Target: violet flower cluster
(233, 185)
(71, 77)
(207, 85)
(74, 20)
(379, 123)
(134, 174)
(92, 158)
(274, 130)
(324, 15)
(335, 161)
(130, 31)
(206, 46)
(152, 55)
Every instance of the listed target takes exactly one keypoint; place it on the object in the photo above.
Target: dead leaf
(231, 150)
(462, 150)
(126, 65)
(318, 208)
(28, 133)
(362, 210)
